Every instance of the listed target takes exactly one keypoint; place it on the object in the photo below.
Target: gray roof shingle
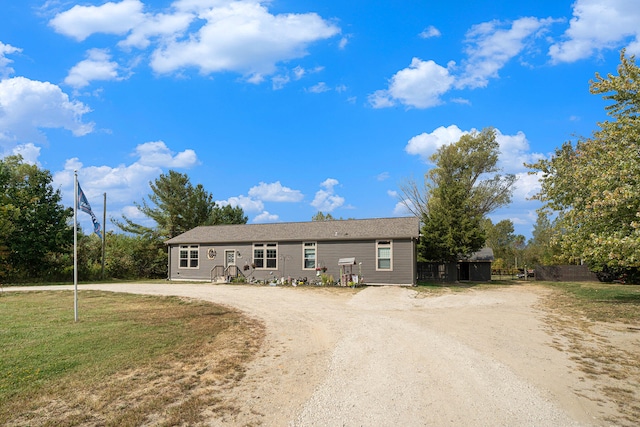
(353, 229)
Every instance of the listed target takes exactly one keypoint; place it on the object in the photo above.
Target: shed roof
(353, 229)
(484, 254)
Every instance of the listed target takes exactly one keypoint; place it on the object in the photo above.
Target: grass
(130, 359)
(597, 325)
(134, 360)
(605, 302)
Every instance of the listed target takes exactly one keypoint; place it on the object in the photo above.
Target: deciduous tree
(540, 248)
(505, 243)
(461, 189)
(35, 227)
(594, 184)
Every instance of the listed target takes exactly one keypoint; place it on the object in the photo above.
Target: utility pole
(104, 231)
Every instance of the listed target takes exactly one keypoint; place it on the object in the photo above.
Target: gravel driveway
(389, 356)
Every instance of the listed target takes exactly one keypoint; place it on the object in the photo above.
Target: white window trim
(315, 259)
(188, 249)
(384, 244)
(265, 246)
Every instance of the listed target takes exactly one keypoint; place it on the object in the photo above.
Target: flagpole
(104, 230)
(75, 245)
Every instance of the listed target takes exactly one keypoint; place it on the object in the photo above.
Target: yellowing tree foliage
(594, 185)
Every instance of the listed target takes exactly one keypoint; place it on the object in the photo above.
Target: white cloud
(381, 99)
(246, 203)
(211, 36)
(30, 105)
(430, 32)
(299, 72)
(163, 26)
(319, 88)
(461, 101)
(326, 200)
(157, 154)
(490, 46)
(29, 153)
(514, 149)
(420, 86)
(242, 36)
(383, 176)
(275, 192)
(425, 144)
(266, 217)
(279, 82)
(97, 66)
(81, 22)
(126, 180)
(197, 6)
(526, 186)
(401, 208)
(515, 152)
(6, 49)
(598, 25)
(133, 213)
(123, 184)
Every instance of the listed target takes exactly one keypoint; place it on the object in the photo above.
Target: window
(258, 255)
(189, 256)
(383, 255)
(309, 255)
(265, 255)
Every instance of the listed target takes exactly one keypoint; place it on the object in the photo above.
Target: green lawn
(596, 300)
(599, 301)
(46, 354)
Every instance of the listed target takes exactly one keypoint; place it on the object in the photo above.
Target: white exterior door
(229, 258)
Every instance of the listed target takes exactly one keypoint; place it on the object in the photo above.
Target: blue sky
(287, 108)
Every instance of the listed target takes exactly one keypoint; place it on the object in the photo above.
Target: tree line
(590, 190)
(36, 229)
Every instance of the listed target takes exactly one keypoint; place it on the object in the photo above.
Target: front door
(229, 258)
(230, 264)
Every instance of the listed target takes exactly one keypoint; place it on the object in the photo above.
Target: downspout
(414, 263)
(168, 262)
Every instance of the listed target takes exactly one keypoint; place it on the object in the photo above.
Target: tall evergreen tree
(176, 206)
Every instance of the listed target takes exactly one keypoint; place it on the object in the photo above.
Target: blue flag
(84, 206)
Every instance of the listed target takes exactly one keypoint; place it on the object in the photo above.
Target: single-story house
(378, 251)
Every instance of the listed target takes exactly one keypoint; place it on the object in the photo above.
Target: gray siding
(290, 261)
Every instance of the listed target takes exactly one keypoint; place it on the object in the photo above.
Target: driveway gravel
(391, 356)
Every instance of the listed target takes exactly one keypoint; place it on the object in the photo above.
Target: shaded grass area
(129, 360)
